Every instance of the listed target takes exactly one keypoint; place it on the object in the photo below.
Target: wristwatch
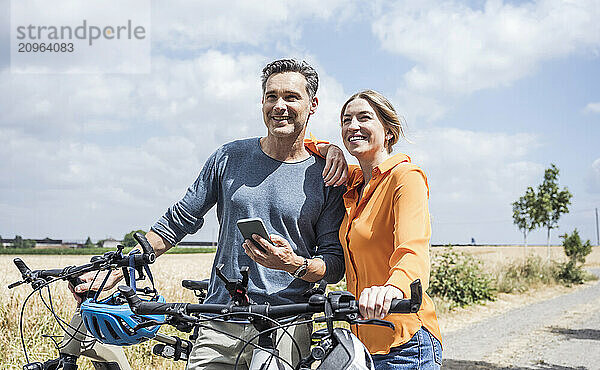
(302, 270)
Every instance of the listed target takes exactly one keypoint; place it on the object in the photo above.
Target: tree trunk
(548, 245)
(524, 245)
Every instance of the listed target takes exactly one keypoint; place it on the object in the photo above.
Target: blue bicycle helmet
(112, 322)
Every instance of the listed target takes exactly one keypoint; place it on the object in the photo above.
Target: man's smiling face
(286, 104)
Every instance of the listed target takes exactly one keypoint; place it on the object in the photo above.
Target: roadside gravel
(558, 333)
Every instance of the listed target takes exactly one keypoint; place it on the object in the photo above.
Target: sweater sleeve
(327, 229)
(412, 231)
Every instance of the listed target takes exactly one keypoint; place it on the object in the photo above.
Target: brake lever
(377, 322)
(16, 284)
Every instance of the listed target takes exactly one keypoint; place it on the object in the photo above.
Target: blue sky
(493, 92)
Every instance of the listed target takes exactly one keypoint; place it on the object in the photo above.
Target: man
(277, 179)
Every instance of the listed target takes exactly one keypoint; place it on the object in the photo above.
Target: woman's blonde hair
(392, 123)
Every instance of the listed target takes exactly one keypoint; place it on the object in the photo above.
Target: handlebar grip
(411, 305)
(400, 306)
(22, 267)
(147, 249)
(195, 284)
(132, 299)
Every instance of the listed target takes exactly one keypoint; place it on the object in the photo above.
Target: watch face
(302, 270)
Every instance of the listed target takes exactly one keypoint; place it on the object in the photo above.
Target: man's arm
(184, 217)
(279, 255)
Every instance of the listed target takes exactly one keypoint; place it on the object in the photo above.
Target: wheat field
(168, 271)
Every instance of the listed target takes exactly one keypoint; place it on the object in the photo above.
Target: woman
(385, 235)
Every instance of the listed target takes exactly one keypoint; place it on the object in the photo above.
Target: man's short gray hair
(292, 65)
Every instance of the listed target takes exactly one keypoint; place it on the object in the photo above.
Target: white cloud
(65, 182)
(210, 24)
(77, 188)
(592, 108)
(211, 97)
(73, 185)
(473, 179)
(472, 164)
(458, 49)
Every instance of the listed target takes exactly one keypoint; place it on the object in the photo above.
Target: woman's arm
(410, 258)
(335, 172)
(412, 232)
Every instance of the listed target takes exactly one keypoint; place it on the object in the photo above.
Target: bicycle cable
(56, 317)
(269, 330)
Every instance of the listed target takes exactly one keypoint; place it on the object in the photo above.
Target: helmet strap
(132, 273)
(101, 288)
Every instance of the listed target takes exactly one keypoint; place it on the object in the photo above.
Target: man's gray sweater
(292, 200)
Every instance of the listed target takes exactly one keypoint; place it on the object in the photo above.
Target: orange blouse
(385, 237)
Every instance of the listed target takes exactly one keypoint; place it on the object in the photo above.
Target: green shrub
(571, 272)
(129, 241)
(459, 278)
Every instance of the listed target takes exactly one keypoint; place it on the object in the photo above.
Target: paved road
(559, 333)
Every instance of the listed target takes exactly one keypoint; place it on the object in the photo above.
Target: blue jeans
(422, 351)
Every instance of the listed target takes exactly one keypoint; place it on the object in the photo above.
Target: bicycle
(74, 331)
(333, 348)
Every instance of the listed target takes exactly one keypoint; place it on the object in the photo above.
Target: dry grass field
(169, 271)
(498, 255)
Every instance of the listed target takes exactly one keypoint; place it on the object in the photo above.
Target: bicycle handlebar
(147, 250)
(341, 303)
(111, 259)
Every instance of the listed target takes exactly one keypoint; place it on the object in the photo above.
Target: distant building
(48, 243)
(7, 242)
(111, 243)
(196, 244)
(39, 243)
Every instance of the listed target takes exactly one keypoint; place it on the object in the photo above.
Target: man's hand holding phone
(271, 251)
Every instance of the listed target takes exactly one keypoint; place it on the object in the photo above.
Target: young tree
(18, 243)
(573, 247)
(88, 243)
(525, 214)
(552, 202)
(129, 241)
(23, 243)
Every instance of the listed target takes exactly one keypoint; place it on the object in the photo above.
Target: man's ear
(313, 105)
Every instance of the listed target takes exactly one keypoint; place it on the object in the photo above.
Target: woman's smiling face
(362, 131)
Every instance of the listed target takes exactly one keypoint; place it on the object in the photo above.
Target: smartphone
(249, 226)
